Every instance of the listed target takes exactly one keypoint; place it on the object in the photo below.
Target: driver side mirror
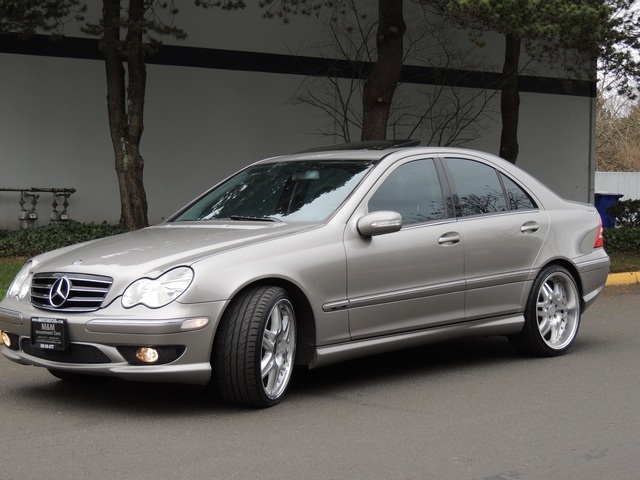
(379, 223)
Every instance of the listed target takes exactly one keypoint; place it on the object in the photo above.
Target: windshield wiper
(239, 218)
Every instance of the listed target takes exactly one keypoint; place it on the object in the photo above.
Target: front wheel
(254, 348)
(552, 315)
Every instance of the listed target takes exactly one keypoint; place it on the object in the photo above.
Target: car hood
(154, 249)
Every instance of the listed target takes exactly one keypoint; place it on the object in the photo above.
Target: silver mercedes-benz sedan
(312, 259)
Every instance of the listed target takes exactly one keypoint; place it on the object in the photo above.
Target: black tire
(254, 348)
(552, 314)
(73, 377)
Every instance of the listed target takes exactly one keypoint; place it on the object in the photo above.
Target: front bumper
(99, 339)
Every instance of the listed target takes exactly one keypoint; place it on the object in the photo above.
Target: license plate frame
(49, 333)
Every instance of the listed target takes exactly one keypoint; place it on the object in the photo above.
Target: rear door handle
(450, 238)
(529, 227)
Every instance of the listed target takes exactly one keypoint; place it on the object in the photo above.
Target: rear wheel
(254, 349)
(552, 315)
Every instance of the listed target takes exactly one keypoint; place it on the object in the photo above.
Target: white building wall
(556, 144)
(201, 124)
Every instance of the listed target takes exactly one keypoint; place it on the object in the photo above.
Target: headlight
(20, 285)
(155, 293)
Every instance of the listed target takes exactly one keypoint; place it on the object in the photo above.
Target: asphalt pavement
(465, 410)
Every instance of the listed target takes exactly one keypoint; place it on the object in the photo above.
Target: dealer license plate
(49, 333)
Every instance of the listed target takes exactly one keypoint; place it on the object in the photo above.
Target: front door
(413, 278)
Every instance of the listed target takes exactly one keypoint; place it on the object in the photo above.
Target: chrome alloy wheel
(278, 348)
(558, 310)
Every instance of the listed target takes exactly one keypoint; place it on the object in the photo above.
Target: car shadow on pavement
(458, 357)
(430, 360)
(112, 394)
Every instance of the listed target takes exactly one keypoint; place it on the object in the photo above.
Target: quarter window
(413, 190)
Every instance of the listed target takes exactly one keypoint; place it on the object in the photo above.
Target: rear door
(503, 232)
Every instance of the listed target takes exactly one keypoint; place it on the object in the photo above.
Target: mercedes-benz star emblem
(60, 292)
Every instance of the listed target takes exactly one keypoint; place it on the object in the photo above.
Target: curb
(630, 278)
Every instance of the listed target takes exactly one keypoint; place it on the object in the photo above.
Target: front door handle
(450, 238)
(529, 227)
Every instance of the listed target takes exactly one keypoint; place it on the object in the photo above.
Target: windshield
(302, 191)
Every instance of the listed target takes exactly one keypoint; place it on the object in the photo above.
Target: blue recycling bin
(603, 201)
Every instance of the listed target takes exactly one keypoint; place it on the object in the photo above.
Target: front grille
(79, 292)
(75, 353)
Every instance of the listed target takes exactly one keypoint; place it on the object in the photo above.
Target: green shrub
(626, 213)
(27, 243)
(624, 239)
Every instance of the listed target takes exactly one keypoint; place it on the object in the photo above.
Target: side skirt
(361, 348)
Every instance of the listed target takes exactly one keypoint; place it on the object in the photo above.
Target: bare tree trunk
(510, 99)
(385, 75)
(125, 105)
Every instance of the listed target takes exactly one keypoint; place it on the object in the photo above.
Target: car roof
(377, 150)
(366, 145)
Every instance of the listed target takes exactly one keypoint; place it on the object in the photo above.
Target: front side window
(302, 191)
(413, 190)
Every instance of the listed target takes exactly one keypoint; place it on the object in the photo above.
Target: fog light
(6, 339)
(147, 355)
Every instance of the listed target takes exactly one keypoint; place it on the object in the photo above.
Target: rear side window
(477, 187)
(480, 189)
(517, 198)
